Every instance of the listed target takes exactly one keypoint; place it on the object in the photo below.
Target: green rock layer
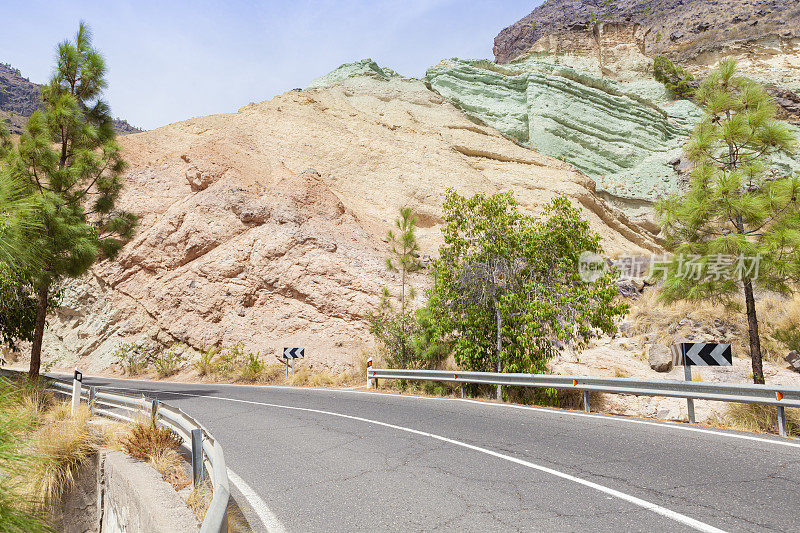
(623, 135)
(365, 67)
(621, 139)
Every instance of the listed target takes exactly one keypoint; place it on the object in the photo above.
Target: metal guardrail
(778, 396)
(209, 454)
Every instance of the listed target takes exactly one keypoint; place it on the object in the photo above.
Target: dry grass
(170, 465)
(114, 434)
(59, 411)
(660, 322)
(62, 447)
(757, 418)
(200, 498)
(147, 440)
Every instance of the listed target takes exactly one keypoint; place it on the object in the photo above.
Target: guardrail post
(462, 390)
(154, 411)
(197, 456)
(92, 396)
(586, 406)
(76, 396)
(687, 372)
(781, 421)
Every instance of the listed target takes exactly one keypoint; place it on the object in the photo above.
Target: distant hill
(681, 29)
(20, 97)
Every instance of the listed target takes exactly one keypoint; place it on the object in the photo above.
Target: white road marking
(267, 517)
(792, 443)
(682, 427)
(663, 511)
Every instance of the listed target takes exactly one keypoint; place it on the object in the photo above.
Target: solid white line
(682, 427)
(663, 511)
(267, 517)
(792, 443)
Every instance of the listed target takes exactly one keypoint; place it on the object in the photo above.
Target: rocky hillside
(763, 34)
(20, 97)
(265, 226)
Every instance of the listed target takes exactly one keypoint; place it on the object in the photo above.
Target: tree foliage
(507, 288)
(675, 78)
(69, 160)
(737, 206)
(395, 327)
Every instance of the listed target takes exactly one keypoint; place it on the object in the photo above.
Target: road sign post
(687, 372)
(691, 354)
(293, 353)
(76, 390)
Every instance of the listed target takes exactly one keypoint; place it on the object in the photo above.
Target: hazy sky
(172, 60)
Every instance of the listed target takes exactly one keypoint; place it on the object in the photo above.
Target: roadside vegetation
(58, 189)
(506, 293)
(738, 206)
(42, 450)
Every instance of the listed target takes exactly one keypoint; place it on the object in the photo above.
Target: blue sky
(172, 60)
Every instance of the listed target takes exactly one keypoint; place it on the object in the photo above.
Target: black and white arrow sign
(704, 354)
(294, 353)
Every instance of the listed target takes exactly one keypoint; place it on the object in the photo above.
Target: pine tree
(70, 161)
(396, 328)
(738, 208)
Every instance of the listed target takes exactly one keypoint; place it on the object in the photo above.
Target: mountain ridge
(20, 97)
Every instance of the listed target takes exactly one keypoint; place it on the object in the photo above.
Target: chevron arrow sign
(294, 353)
(704, 354)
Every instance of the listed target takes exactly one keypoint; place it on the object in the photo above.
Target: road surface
(333, 460)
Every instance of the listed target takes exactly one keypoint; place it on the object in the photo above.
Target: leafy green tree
(507, 287)
(394, 328)
(737, 206)
(675, 78)
(69, 159)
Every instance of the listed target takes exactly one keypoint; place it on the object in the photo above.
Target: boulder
(793, 359)
(659, 357)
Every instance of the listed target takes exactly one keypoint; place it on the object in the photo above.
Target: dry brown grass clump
(170, 465)
(62, 447)
(147, 440)
(662, 322)
(200, 498)
(757, 418)
(114, 434)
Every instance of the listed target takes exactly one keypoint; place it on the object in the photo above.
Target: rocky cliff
(20, 97)
(763, 34)
(265, 226)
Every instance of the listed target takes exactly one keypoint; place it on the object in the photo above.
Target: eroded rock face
(682, 29)
(265, 226)
(611, 132)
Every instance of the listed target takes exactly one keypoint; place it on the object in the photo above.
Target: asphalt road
(330, 460)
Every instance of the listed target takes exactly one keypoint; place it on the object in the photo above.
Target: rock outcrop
(264, 227)
(612, 133)
(693, 31)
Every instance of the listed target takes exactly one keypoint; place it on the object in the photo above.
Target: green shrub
(134, 357)
(205, 364)
(253, 369)
(229, 361)
(675, 78)
(170, 360)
